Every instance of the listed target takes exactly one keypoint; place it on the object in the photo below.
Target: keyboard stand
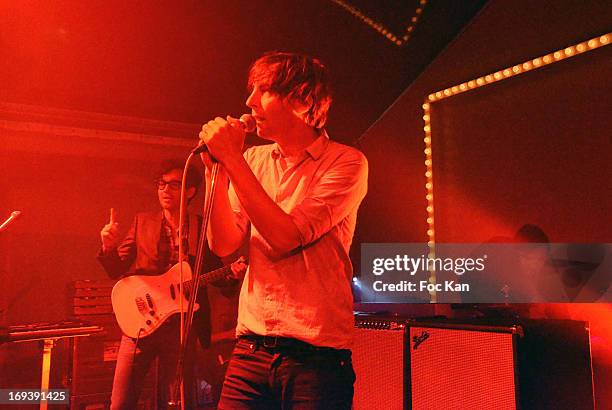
(49, 335)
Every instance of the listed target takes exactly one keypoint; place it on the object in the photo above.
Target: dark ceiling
(187, 60)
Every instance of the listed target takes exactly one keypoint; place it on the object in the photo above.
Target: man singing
(295, 203)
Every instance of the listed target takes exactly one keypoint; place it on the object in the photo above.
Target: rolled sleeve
(338, 192)
(241, 220)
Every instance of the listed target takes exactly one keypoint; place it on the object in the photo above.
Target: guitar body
(143, 303)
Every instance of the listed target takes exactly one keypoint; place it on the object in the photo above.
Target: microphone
(14, 215)
(248, 124)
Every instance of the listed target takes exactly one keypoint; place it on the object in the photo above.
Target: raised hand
(110, 233)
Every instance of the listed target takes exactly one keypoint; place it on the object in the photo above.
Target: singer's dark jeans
(280, 378)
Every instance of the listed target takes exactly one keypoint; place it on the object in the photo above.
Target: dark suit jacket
(138, 255)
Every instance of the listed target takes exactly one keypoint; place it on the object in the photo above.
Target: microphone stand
(248, 124)
(201, 251)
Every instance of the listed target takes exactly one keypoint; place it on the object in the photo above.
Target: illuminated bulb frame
(529, 65)
(379, 27)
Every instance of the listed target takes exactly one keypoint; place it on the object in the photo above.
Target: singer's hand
(206, 158)
(110, 233)
(223, 137)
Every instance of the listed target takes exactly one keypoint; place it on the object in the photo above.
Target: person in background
(151, 248)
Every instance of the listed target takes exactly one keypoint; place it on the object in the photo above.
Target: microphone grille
(248, 121)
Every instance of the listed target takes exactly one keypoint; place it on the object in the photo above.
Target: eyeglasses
(174, 185)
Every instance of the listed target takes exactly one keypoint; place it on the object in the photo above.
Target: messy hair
(295, 76)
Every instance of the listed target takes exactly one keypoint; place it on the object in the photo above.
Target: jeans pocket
(243, 348)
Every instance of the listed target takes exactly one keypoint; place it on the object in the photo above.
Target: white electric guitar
(143, 303)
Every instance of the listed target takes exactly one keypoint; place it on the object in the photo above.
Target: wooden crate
(94, 358)
(91, 298)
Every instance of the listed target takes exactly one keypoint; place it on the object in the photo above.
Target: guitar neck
(210, 277)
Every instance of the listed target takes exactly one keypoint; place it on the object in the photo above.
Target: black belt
(286, 343)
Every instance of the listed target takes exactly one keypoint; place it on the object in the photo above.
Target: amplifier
(379, 360)
(543, 364)
(457, 369)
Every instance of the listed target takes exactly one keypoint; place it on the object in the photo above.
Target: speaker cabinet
(531, 364)
(527, 364)
(454, 369)
(380, 365)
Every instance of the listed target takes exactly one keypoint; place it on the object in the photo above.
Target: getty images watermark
(485, 273)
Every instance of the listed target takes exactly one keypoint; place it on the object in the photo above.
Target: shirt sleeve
(241, 218)
(333, 197)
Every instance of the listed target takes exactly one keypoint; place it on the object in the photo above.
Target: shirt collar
(315, 149)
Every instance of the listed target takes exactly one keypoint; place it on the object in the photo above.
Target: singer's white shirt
(305, 294)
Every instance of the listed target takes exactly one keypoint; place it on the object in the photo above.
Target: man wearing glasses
(151, 248)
